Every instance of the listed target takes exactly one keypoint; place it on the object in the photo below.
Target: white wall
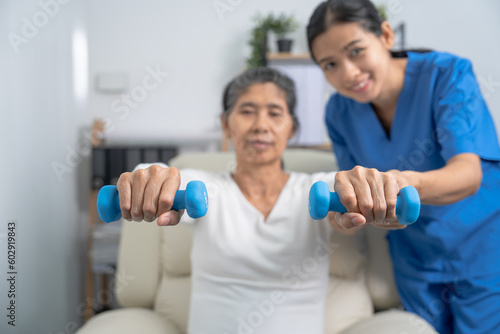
(201, 50)
(40, 116)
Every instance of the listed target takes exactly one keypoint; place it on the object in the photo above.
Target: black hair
(242, 82)
(342, 11)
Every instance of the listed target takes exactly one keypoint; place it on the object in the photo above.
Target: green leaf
(280, 25)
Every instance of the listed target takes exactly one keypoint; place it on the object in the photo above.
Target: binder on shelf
(167, 153)
(151, 155)
(108, 163)
(116, 164)
(133, 157)
(98, 168)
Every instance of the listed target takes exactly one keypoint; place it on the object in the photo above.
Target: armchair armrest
(138, 269)
(128, 321)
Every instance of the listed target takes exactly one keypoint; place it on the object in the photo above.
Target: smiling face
(355, 61)
(259, 125)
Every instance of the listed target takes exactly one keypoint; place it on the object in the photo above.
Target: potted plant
(280, 25)
(258, 42)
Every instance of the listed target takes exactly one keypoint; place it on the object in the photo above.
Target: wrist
(414, 179)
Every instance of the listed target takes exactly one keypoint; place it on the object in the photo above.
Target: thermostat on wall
(111, 82)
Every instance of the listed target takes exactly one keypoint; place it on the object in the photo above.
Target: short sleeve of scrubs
(462, 120)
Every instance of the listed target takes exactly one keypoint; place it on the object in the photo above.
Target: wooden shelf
(288, 55)
(322, 147)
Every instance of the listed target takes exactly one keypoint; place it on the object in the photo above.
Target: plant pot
(284, 45)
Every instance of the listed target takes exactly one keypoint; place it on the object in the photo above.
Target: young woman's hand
(369, 197)
(148, 194)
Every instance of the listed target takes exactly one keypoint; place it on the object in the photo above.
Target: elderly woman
(250, 249)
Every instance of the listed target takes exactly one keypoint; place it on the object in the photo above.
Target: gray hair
(242, 82)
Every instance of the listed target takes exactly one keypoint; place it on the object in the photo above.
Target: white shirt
(256, 276)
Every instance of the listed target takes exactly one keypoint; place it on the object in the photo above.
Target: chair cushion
(346, 258)
(138, 268)
(173, 299)
(173, 295)
(380, 271)
(348, 301)
(309, 161)
(128, 321)
(175, 250)
(210, 161)
(391, 322)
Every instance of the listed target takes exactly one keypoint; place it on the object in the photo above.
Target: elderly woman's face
(260, 124)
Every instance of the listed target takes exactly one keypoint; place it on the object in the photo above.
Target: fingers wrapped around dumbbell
(146, 194)
(356, 195)
(368, 192)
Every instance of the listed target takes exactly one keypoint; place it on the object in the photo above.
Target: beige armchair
(153, 272)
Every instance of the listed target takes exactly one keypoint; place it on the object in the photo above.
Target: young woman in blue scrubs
(416, 118)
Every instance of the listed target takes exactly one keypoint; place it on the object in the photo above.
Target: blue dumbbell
(321, 200)
(194, 199)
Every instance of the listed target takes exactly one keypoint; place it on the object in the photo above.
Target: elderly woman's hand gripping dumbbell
(111, 206)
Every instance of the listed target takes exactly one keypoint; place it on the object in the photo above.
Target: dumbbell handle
(194, 199)
(321, 200)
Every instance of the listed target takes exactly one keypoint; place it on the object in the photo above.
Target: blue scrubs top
(440, 113)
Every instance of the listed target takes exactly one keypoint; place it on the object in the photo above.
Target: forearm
(461, 177)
